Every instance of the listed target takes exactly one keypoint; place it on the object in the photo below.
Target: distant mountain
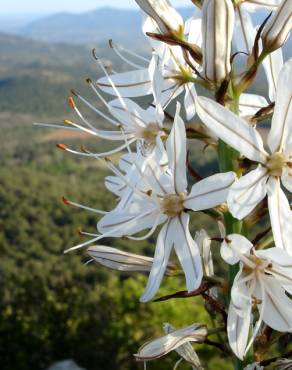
(92, 27)
(37, 76)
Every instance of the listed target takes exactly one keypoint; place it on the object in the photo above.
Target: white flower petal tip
(166, 17)
(278, 27)
(159, 347)
(234, 245)
(247, 192)
(122, 261)
(231, 129)
(217, 30)
(210, 192)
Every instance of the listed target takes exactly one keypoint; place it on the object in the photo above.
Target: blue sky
(52, 6)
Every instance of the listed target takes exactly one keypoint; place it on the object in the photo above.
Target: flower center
(150, 132)
(257, 262)
(173, 204)
(275, 164)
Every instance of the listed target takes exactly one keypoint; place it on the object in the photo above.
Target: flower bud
(278, 27)
(170, 342)
(217, 30)
(116, 259)
(283, 364)
(186, 351)
(167, 18)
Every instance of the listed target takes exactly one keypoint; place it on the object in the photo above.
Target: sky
(51, 6)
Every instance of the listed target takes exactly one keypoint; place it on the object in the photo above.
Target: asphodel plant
(222, 49)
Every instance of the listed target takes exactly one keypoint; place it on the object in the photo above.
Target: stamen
(53, 125)
(70, 203)
(97, 111)
(119, 54)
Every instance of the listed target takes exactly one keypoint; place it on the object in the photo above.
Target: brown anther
(110, 42)
(149, 193)
(71, 102)
(66, 201)
(61, 146)
(93, 51)
(68, 122)
(228, 241)
(125, 237)
(79, 231)
(89, 80)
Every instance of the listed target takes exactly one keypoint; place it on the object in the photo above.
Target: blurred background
(53, 307)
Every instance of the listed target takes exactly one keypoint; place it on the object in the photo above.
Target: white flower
(251, 188)
(167, 18)
(278, 27)
(173, 341)
(162, 197)
(263, 278)
(122, 261)
(217, 31)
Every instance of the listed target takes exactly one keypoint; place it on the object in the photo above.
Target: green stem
(228, 162)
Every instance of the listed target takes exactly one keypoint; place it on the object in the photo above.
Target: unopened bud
(167, 18)
(278, 27)
(186, 351)
(170, 342)
(116, 259)
(217, 30)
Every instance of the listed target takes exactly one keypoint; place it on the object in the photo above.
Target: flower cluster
(201, 68)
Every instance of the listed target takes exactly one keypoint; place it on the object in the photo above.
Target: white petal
(237, 330)
(273, 63)
(282, 119)
(114, 184)
(155, 72)
(210, 192)
(187, 252)
(194, 27)
(256, 4)
(177, 152)
(189, 100)
(247, 192)
(120, 223)
(278, 312)
(286, 178)
(280, 215)
(277, 255)
(249, 104)
(231, 129)
(163, 248)
(130, 114)
(237, 245)
(244, 31)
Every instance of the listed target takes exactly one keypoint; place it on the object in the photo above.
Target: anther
(61, 146)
